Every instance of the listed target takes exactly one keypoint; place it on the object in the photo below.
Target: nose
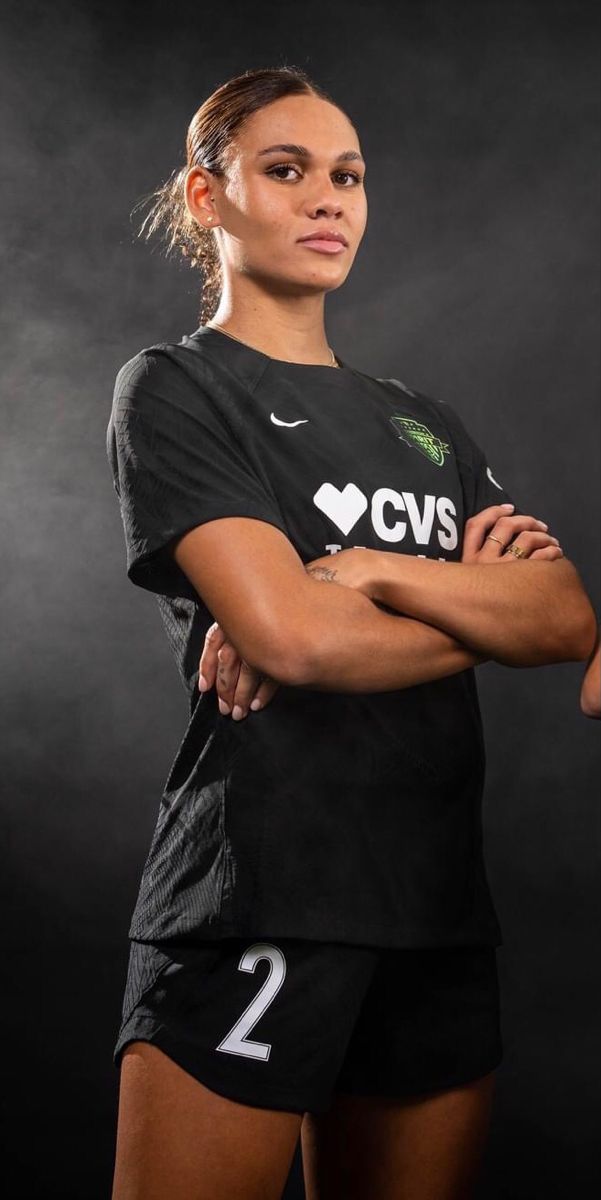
(327, 208)
(329, 203)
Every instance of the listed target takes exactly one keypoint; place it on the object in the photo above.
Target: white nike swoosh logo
(290, 424)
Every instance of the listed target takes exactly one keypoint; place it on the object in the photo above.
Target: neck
(289, 328)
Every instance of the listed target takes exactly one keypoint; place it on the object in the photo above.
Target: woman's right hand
(488, 534)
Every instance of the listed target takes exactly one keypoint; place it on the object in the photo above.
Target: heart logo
(342, 507)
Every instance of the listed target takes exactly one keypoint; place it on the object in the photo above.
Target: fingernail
(237, 713)
(508, 506)
(543, 524)
(255, 704)
(223, 707)
(202, 683)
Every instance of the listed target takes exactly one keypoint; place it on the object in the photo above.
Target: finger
(507, 527)
(549, 553)
(477, 526)
(530, 540)
(264, 693)
(207, 667)
(249, 682)
(228, 669)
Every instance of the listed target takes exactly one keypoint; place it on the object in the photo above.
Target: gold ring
(516, 550)
(495, 539)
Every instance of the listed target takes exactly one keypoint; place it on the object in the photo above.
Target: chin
(297, 281)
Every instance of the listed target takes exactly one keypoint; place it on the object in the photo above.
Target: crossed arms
(288, 625)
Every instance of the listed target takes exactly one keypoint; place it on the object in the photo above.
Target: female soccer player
(313, 948)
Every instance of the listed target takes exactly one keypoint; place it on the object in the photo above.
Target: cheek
(264, 205)
(266, 226)
(359, 215)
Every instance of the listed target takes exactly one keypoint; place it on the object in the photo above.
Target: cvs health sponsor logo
(392, 513)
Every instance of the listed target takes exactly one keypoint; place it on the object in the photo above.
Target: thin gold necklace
(237, 339)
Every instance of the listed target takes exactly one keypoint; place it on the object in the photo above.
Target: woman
(313, 946)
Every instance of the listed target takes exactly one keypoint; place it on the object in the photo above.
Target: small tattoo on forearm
(328, 574)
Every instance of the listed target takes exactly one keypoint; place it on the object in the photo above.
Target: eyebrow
(302, 152)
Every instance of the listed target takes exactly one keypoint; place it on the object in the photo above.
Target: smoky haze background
(476, 282)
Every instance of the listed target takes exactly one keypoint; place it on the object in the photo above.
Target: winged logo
(413, 433)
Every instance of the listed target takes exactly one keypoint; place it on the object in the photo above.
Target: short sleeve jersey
(326, 815)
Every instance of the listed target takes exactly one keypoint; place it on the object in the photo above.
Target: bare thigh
(178, 1140)
(427, 1148)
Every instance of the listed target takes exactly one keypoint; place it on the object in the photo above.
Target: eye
(291, 167)
(353, 175)
(281, 167)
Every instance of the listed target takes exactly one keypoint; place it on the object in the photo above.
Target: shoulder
(149, 363)
(162, 376)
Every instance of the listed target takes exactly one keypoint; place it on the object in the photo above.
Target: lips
(324, 235)
(323, 245)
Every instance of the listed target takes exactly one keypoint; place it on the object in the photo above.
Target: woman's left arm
(521, 613)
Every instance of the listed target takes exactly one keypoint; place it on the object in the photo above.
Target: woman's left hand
(239, 686)
(482, 545)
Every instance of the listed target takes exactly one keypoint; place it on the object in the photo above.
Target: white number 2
(235, 1042)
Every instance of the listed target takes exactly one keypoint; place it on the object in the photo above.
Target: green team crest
(421, 438)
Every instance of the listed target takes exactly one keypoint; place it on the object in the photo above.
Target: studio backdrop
(476, 283)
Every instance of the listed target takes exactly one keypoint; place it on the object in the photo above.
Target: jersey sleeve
(175, 464)
(481, 485)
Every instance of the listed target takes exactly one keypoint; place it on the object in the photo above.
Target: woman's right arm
(276, 616)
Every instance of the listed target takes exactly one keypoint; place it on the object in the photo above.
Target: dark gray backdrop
(476, 282)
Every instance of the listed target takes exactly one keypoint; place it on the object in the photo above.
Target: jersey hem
(367, 936)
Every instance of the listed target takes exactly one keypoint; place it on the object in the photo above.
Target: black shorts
(285, 1023)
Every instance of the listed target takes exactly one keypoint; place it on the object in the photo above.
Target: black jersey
(326, 815)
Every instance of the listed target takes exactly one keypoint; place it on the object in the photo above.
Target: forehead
(306, 120)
